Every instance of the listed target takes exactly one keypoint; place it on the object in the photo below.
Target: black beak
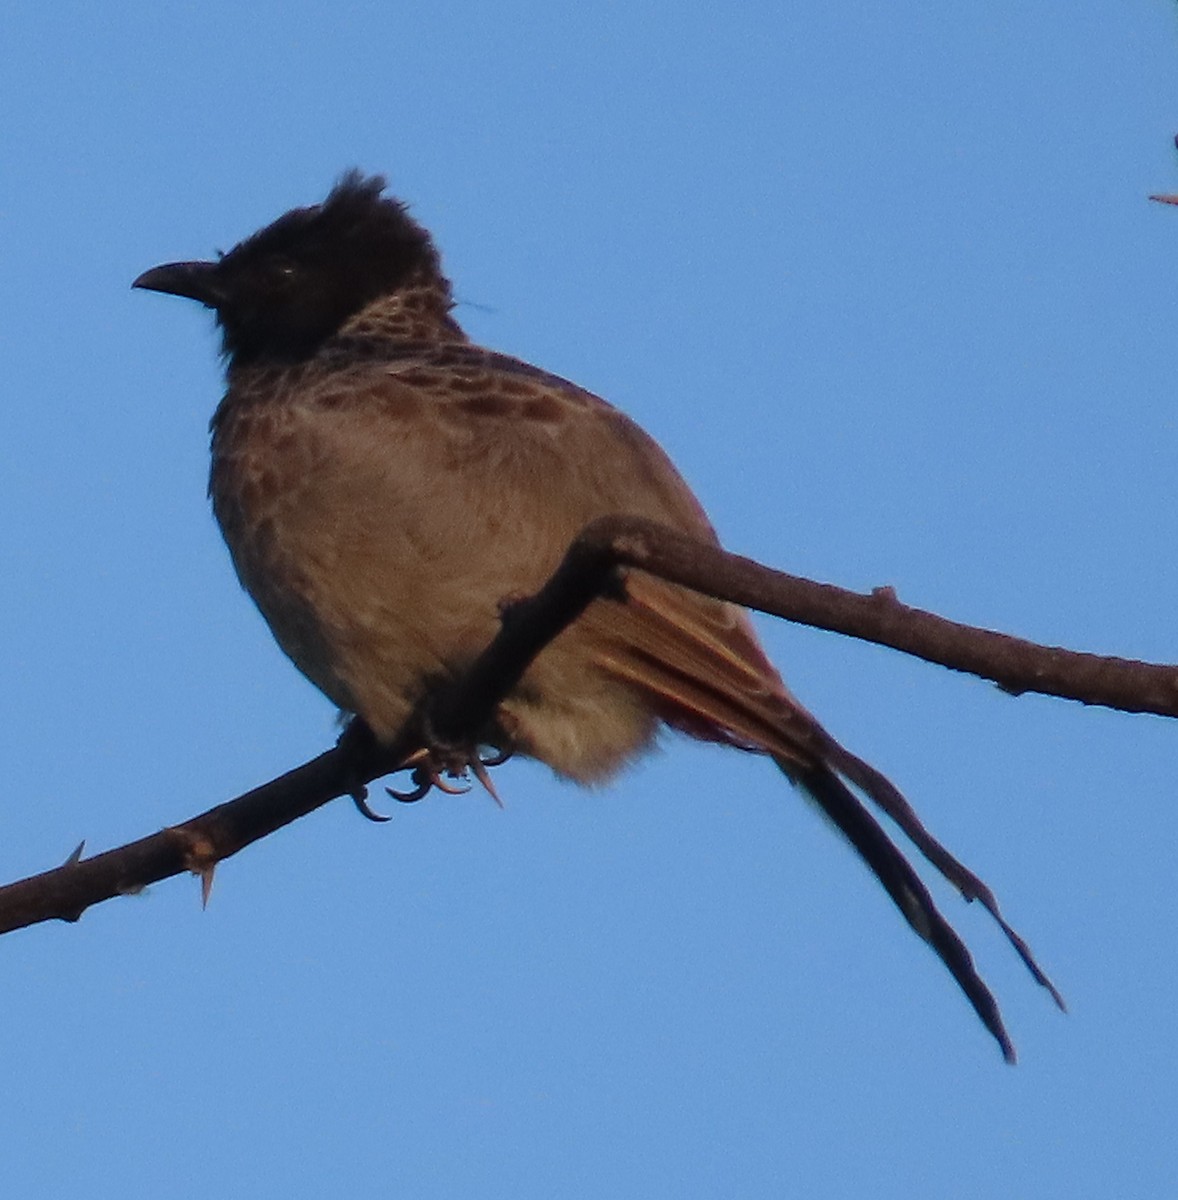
(195, 280)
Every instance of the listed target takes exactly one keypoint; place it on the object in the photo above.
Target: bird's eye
(285, 270)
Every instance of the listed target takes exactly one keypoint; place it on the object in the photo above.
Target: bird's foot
(431, 767)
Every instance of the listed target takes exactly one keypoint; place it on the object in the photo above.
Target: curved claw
(449, 788)
(420, 791)
(496, 758)
(360, 800)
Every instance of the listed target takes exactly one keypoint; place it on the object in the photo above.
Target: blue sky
(884, 281)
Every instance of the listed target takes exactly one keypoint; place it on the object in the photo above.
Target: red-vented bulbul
(384, 485)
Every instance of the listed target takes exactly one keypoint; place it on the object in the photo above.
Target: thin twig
(590, 569)
(1016, 665)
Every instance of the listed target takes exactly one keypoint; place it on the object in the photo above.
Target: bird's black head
(281, 293)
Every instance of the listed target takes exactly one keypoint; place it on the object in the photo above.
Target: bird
(385, 485)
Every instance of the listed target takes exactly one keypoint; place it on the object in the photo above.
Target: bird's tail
(699, 664)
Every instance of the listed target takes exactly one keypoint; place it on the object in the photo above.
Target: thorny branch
(594, 566)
